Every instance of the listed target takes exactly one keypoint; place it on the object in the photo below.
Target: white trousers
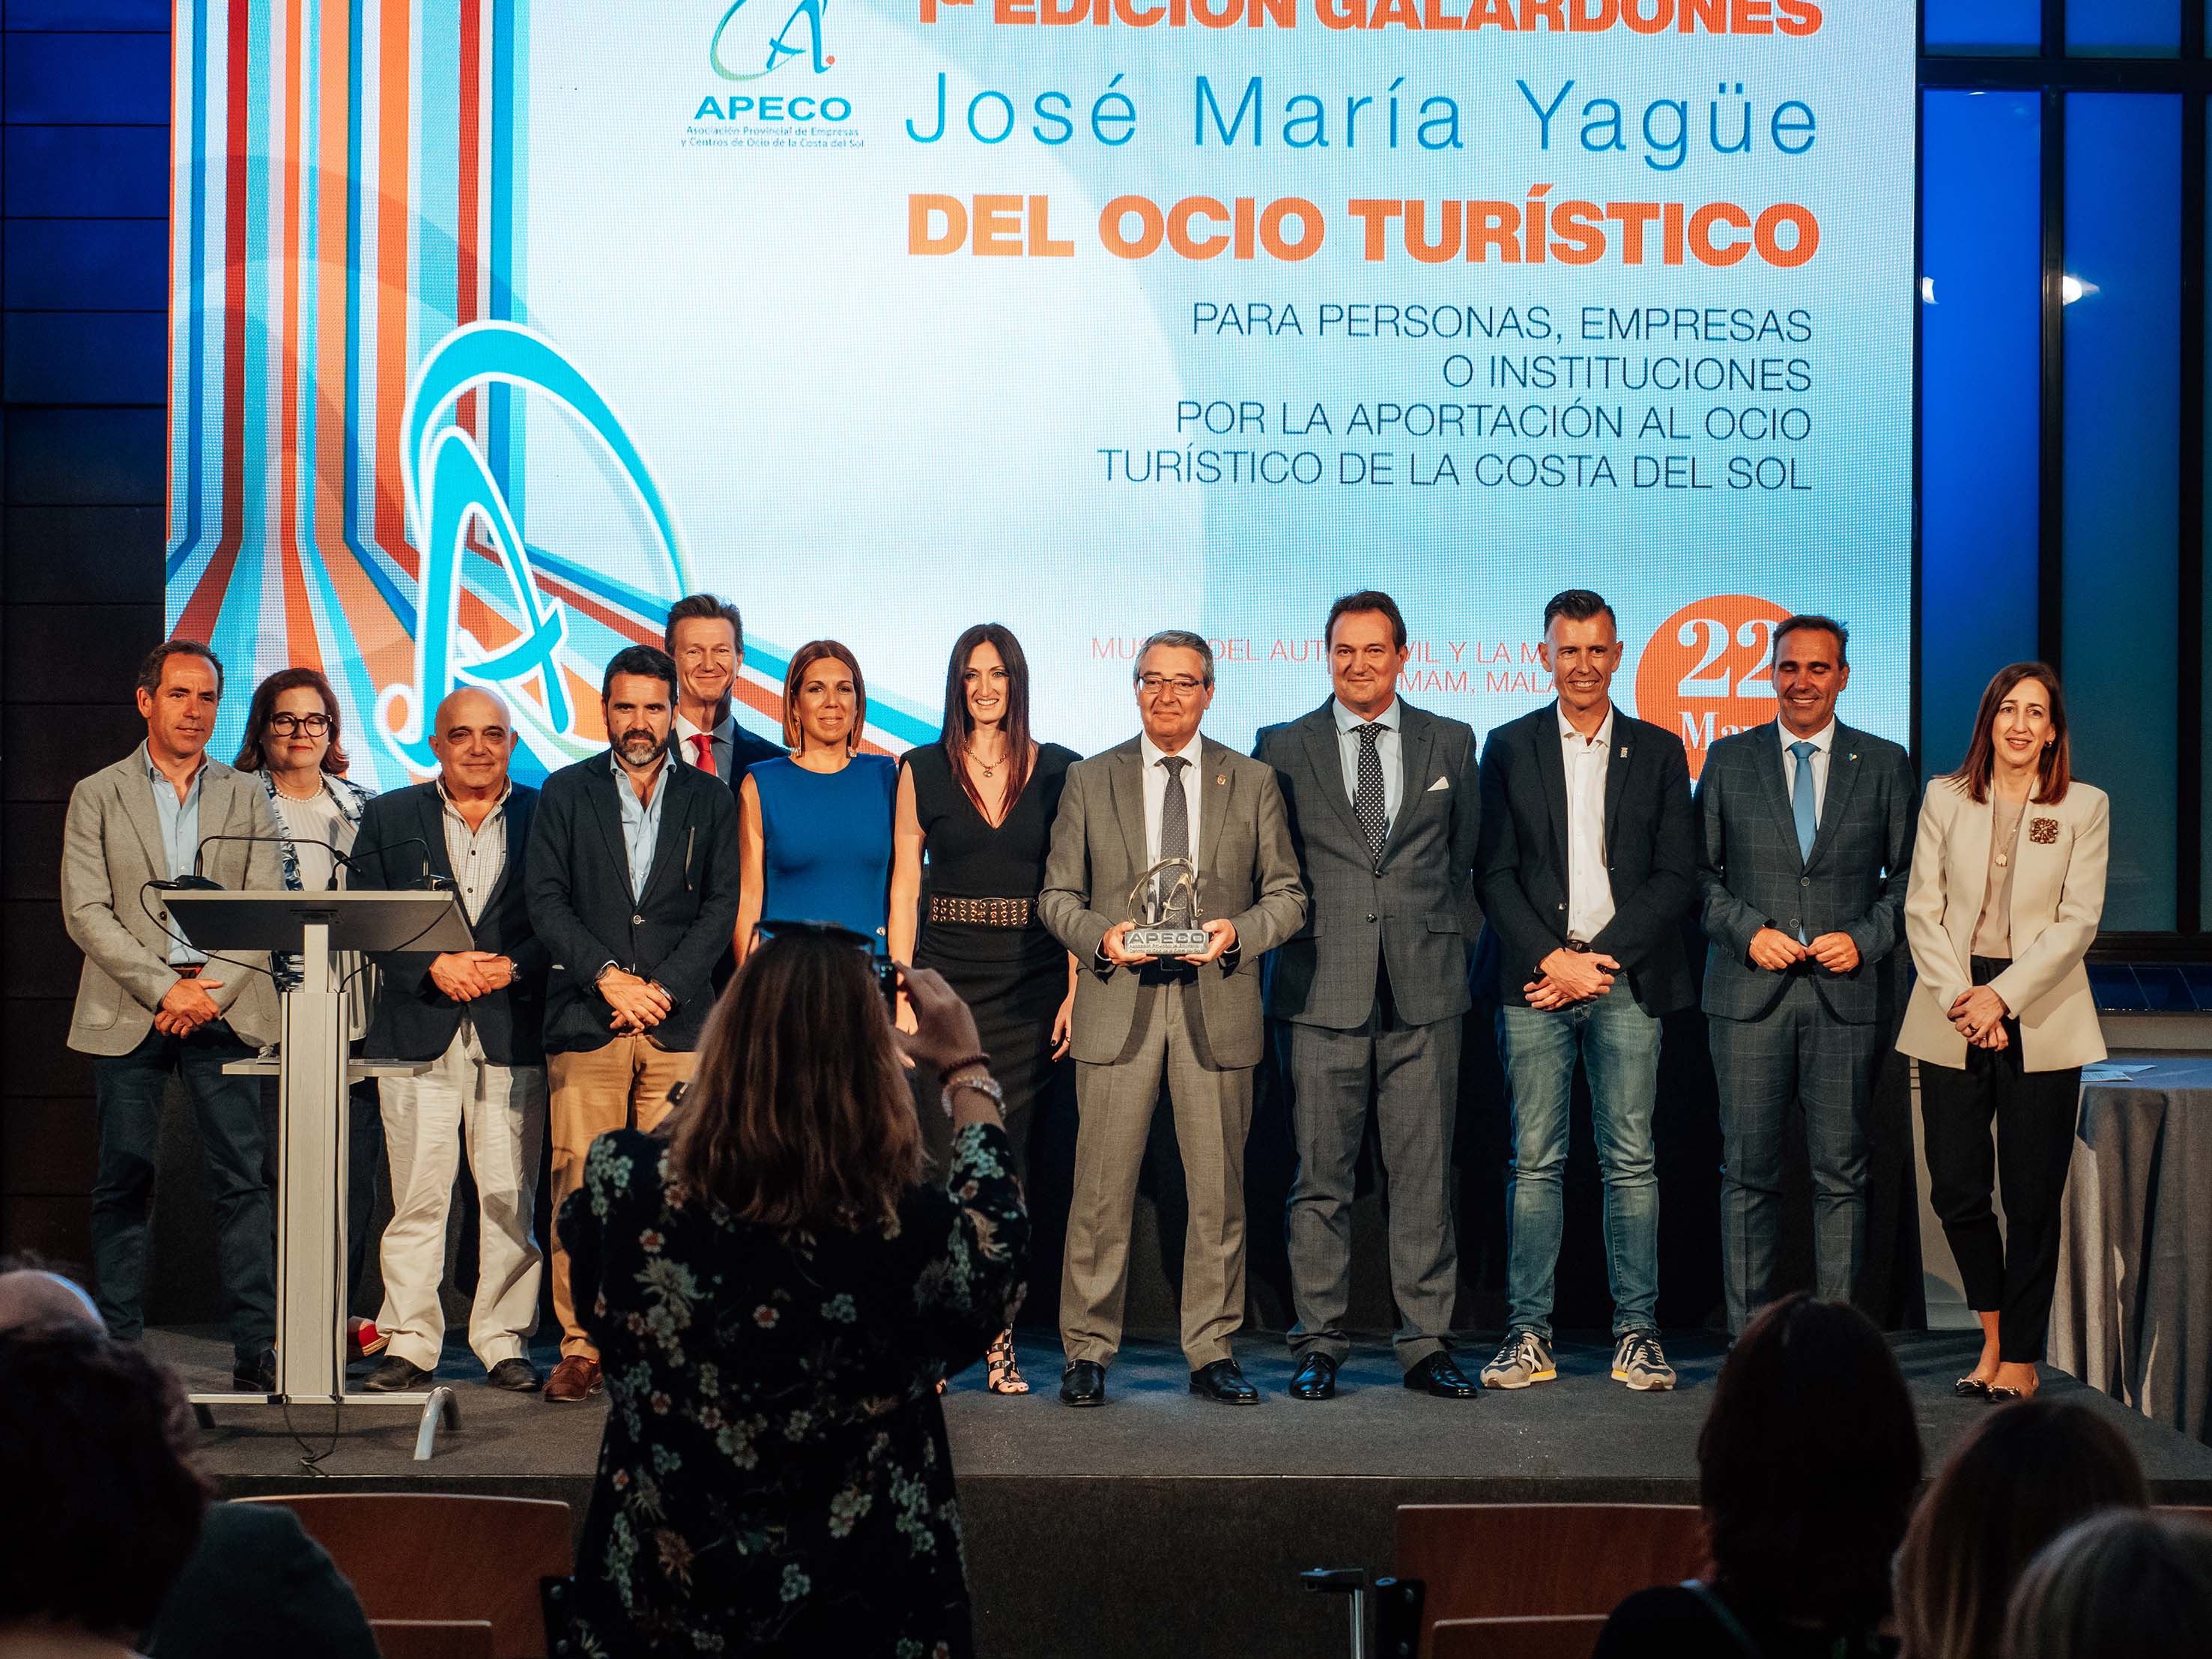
(500, 1112)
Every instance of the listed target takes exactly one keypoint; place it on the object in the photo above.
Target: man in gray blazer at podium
(1166, 793)
(1806, 829)
(145, 1008)
(1386, 814)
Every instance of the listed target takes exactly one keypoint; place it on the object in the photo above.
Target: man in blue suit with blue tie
(1807, 828)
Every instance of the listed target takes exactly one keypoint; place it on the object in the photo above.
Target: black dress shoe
(254, 1373)
(395, 1375)
(1222, 1381)
(1437, 1375)
(516, 1375)
(1316, 1378)
(1083, 1383)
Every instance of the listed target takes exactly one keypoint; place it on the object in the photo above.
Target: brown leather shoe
(575, 1378)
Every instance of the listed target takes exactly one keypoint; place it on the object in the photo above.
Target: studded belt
(981, 912)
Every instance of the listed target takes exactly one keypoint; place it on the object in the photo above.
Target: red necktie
(704, 742)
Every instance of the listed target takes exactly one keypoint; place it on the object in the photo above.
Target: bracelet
(977, 1059)
(981, 1085)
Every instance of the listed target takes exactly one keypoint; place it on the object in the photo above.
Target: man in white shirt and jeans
(1588, 866)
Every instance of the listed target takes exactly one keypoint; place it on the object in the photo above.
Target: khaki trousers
(1212, 1115)
(498, 1112)
(623, 1085)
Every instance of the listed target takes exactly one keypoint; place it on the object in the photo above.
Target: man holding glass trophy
(1171, 873)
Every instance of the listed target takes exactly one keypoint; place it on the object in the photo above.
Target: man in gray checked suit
(1807, 828)
(145, 1009)
(1166, 793)
(1386, 814)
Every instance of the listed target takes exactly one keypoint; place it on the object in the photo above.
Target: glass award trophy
(1164, 904)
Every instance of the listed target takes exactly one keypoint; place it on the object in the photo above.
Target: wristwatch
(985, 1084)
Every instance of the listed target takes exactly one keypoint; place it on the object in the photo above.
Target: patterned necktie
(1174, 837)
(1801, 799)
(1367, 798)
(704, 743)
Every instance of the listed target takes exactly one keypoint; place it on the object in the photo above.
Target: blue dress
(827, 843)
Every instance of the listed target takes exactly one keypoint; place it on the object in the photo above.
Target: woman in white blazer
(2007, 883)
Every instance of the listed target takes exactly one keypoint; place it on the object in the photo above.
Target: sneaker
(1521, 1359)
(1640, 1363)
(364, 1340)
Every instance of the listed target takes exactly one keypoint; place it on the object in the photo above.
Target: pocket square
(1441, 783)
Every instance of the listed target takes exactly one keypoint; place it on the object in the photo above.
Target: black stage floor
(1163, 1523)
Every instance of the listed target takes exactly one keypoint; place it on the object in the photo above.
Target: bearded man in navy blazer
(633, 886)
(1806, 830)
(1590, 869)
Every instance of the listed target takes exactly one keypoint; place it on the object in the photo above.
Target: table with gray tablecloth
(2133, 1315)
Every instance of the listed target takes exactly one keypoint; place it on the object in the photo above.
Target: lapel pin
(1220, 777)
(1624, 752)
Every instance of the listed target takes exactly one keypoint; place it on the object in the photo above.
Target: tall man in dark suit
(633, 886)
(1386, 818)
(1590, 866)
(705, 638)
(1165, 793)
(1807, 829)
(477, 1015)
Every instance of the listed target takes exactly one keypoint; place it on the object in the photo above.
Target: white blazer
(2057, 896)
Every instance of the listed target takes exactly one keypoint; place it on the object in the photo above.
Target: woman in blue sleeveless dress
(814, 829)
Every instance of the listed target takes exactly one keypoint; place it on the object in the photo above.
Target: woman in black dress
(978, 806)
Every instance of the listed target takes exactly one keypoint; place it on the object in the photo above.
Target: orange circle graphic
(1704, 673)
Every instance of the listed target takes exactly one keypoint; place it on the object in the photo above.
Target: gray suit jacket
(110, 848)
(1248, 871)
(1752, 876)
(1414, 908)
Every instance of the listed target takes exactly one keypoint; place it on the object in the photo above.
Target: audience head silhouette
(2124, 1584)
(1807, 1465)
(2019, 1478)
(96, 1441)
(799, 1116)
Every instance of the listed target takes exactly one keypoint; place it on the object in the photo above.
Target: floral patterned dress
(775, 1476)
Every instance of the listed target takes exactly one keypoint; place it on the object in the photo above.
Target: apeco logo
(780, 49)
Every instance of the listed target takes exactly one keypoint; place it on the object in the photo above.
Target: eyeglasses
(1184, 685)
(285, 724)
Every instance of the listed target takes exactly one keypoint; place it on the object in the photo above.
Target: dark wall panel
(50, 747)
(35, 1035)
(85, 357)
(44, 1147)
(83, 555)
(83, 77)
(152, 15)
(66, 654)
(85, 457)
(86, 173)
(77, 264)
(40, 961)
(31, 833)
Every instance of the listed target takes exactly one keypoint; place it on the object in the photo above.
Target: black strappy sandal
(1968, 1389)
(1003, 1376)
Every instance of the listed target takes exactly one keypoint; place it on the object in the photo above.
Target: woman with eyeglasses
(814, 827)
(292, 745)
(978, 805)
(2006, 891)
(776, 1288)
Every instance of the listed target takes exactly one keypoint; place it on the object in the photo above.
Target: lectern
(313, 1071)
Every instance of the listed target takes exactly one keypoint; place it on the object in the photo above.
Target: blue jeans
(227, 1110)
(1619, 1046)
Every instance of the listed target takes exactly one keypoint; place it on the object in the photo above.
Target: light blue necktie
(1801, 805)
(1801, 798)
